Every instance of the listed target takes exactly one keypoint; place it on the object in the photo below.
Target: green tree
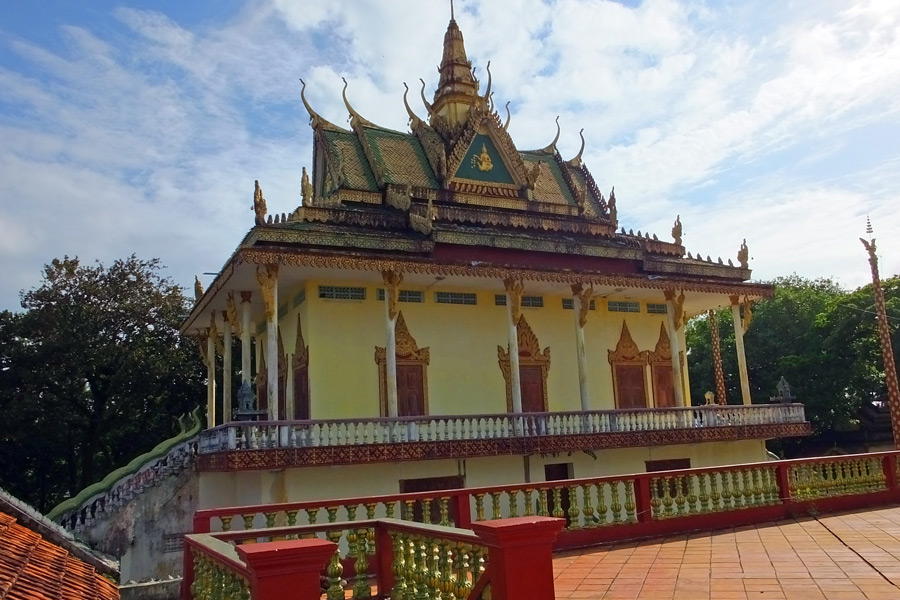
(95, 373)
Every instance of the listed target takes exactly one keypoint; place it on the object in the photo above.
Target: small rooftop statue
(784, 392)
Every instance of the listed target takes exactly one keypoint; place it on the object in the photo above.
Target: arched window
(627, 362)
(412, 373)
(533, 368)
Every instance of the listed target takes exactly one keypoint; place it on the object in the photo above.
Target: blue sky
(141, 126)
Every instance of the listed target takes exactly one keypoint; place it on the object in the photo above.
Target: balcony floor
(848, 556)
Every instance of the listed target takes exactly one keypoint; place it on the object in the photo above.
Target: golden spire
(457, 87)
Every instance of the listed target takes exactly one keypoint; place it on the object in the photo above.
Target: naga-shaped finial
(315, 120)
(576, 162)
(355, 117)
(676, 230)
(427, 104)
(508, 116)
(551, 149)
(198, 288)
(487, 92)
(413, 119)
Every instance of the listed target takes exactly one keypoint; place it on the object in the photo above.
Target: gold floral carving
(627, 350)
(677, 305)
(663, 351)
(584, 295)
(529, 355)
(392, 281)
(306, 189)
(230, 313)
(214, 333)
(201, 344)
(514, 290)
(407, 353)
(267, 277)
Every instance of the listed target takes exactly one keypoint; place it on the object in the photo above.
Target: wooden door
(532, 380)
(301, 393)
(631, 392)
(410, 390)
(663, 386)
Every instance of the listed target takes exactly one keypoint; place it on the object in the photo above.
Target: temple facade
(445, 310)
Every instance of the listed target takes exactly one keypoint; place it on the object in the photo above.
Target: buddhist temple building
(446, 309)
(442, 310)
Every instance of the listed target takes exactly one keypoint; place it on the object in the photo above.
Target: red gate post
(286, 569)
(520, 557)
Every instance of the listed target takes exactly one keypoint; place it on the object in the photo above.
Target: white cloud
(149, 139)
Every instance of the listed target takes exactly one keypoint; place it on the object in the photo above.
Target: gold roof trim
(576, 162)
(414, 120)
(551, 149)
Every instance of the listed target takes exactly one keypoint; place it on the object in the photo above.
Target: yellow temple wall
(327, 482)
(463, 376)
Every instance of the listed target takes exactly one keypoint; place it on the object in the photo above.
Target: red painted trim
(286, 569)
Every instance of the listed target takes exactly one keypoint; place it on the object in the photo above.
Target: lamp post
(884, 333)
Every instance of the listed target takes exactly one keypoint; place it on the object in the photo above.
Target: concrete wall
(463, 376)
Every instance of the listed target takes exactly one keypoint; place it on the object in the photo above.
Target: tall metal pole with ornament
(884, 333)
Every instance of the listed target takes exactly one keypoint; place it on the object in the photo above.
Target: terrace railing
(353, 432)
(383, 558)
(612, 508)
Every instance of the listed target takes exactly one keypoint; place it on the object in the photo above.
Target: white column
(268, 284)
(513, 310)
(392, 282)
(581, 302)
(739, 346)
(245, 337)
(210, 381)
(674, 317)
(226, 372)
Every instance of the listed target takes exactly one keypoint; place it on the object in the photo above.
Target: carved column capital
(267, 277)
(230, 314)
(584, 295)
(392, 281)
(514, 289)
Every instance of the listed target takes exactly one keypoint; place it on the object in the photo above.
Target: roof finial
(412, 116)
(424, 100)
(508, 116)
(551, 149)
(487, 93)
(355, 117)
(576, 162)
(314, 119)
(452, 18)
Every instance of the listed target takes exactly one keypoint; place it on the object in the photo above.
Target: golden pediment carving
(626, 349)
(663, 351)
(530, 354)
(405, 345)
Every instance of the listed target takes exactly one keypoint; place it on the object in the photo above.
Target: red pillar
(288, 569)
(642, 498)
(521, 556)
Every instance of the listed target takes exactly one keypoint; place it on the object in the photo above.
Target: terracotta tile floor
(849, 556)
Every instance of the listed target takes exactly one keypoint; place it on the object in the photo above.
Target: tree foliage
(92, 373)
(821, 338)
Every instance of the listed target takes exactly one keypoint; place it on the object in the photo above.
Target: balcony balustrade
(261, 435)
(474, 541)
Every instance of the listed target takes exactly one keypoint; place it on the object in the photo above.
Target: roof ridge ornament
(508, 116)
(315, 119)
(425, 101)
(488, 102)
(355, 117)
(551, 149)
(413, 119)
(576, 162)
